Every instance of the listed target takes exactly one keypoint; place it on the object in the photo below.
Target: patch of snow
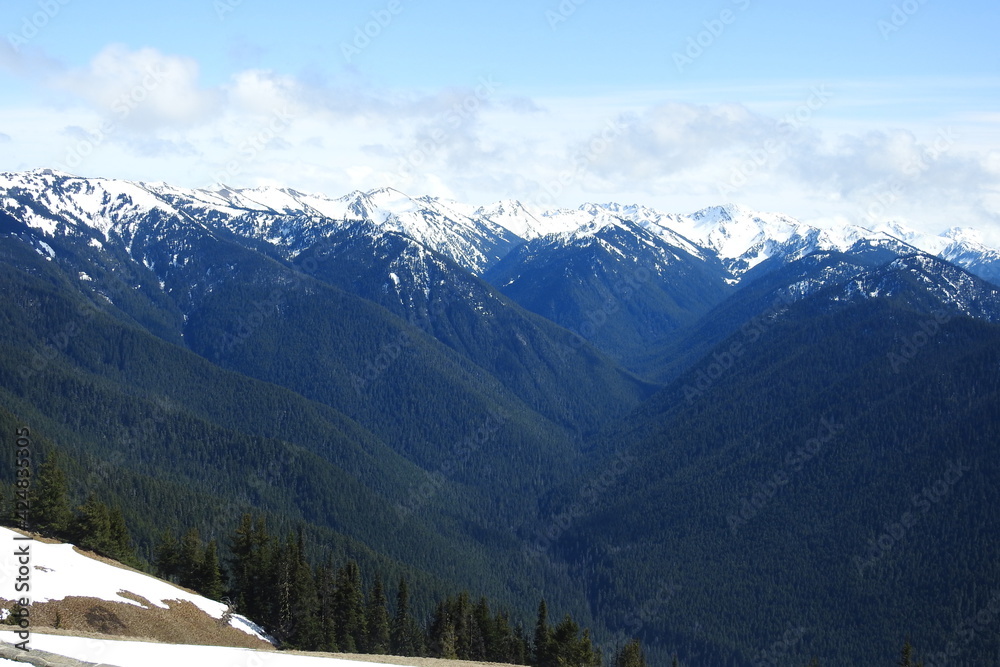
(145, 654)
(61, 572)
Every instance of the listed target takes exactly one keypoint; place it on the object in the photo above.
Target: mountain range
(684, 428)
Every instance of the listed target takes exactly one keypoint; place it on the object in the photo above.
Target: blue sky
(826, 111)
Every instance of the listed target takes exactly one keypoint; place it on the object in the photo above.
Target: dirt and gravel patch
(180, 623)
(400, 660)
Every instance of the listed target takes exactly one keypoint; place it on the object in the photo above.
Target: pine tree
(906, 656)
(584, 652)
(165, 557)
(461, 611)
(543, 644)
(326, 593)
(250, 565)
(210, 574)
(349, 609)
(119, 539)
(282, 568)
(631, 655)
(505, 646)
(189, 559)
(306, 628)
(484, 639)
(91, 529)
(404, 638)
(50, 507)
(377, 620)
(442, 633)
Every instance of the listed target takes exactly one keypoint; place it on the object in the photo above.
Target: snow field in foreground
(143, 654)
(59, 572)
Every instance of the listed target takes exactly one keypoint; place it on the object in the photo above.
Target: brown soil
(181, 623)
(399, 660)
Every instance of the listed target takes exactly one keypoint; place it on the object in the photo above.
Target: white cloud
(144, 89)
(480, 143)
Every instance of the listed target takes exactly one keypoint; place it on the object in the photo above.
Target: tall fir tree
(349, 610)
(377, 620)
(306, 626)
(165, 556)
(543, 643)
(484, 640)
(326, 589)
(461, 610)
(631, 655)
(249, 567)
(404, 636)
(119, 538)
(91, 529)
(210, 573)
(906, 656)
(189, 559)
(50, 508)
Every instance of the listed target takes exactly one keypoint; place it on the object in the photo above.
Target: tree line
(327, 608)
(323, 607)
(303, 606)
(94, 525)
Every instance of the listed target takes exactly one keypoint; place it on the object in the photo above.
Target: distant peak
(51, 172)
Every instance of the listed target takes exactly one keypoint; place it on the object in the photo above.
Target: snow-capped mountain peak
(474, 237)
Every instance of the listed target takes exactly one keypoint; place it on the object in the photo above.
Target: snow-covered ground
(143, 654)
(59, 572)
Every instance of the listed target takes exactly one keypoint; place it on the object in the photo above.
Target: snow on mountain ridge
(474, 237)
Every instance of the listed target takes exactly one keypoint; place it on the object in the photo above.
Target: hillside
(77, 591)
(846, 496)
